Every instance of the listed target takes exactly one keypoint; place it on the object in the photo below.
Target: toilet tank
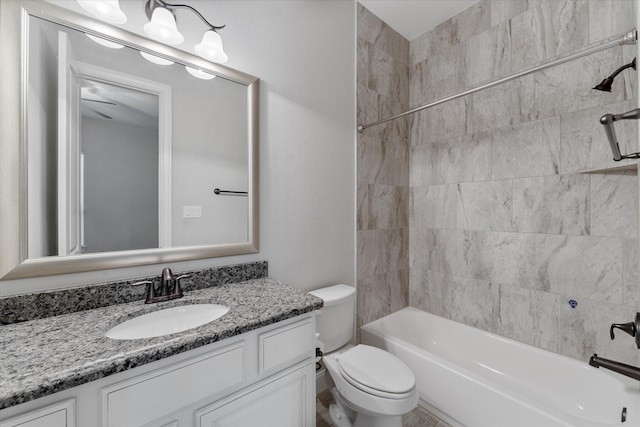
(335, 322)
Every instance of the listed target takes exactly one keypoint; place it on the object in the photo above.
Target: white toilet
(371, 387)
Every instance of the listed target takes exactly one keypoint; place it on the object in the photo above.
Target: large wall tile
(470, 301)
(584, 144)
(380, 35)
(362, 66)
(397, 130)
(426, 291)
(515, 315)
(631, 272)
(580, 267)
(585, 331)
(490, 256)
(487, 55)
(484, 206)
(362, 210)
(419, 84)
(550, 29)
(380, 67)
(444, 74)
(382, 162)
(568, 87)
(370, 154)
(387, 206)
(503, 10)
(433, 206)
(367, 259)
(447, 120)
(393, 249)
(367, 105)
(528, 149)
(471, 21)
(608, 18)
(463, 159)
(503, 105)
(552, 205)
(614, 205)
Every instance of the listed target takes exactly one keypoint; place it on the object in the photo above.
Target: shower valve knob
(631, 328)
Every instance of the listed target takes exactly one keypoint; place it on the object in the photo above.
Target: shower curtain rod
(627, 38)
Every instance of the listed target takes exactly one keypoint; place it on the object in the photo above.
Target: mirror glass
(126, 150)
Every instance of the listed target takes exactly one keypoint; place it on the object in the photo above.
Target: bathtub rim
(530, 402)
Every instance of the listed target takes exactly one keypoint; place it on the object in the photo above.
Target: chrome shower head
(605, 85)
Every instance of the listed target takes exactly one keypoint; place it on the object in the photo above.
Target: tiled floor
(416, 418)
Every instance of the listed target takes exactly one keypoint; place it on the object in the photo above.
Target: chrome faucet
(169, 287)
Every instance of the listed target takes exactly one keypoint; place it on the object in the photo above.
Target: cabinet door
(59, 415)
(283, 401)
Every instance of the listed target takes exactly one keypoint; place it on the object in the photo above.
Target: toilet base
(364, 420)
(342, 415)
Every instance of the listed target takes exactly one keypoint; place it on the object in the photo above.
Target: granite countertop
(41, 357)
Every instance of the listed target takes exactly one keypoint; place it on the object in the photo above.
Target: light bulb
(105, 43)
(106, 10)
(199, 73)
(156, 59)
(163, 27)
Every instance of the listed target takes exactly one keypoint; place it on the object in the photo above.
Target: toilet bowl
(371, 387)
(374, 384)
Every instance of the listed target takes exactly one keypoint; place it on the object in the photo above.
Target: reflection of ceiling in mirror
(123, 105)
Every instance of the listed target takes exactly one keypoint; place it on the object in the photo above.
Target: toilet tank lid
(335, 294)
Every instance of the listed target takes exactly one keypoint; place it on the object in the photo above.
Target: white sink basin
(167, 321)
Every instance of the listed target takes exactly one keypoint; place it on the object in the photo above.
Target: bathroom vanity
(253, 366)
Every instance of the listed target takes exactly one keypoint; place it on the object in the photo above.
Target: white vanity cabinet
(57, 415)
(264, 377)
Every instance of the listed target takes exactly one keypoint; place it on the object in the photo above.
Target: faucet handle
(144, 282)
(629, 328)
(632, 328)
(178, 289)
(151, 290)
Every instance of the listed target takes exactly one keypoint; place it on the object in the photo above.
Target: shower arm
(607, 121)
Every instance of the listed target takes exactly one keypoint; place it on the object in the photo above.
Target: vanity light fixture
(155, 59)
(105, 43)
(107, 10)
(199, 73)
(162, 25)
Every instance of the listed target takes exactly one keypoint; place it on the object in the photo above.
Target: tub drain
(623, 416)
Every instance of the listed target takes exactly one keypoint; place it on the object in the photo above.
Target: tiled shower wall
(498, 228)
(383, 170)
(504, 229)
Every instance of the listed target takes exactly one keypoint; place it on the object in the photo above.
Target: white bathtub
(474, 378)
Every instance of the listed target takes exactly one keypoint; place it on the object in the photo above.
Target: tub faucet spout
(621, 368)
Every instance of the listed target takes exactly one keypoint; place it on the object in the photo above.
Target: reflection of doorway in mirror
(125, 133)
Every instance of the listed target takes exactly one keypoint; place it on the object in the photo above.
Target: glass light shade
(156, 59)
(163, 27)
(199, 73)
(211, 48)
(106, 10)
(105, 43)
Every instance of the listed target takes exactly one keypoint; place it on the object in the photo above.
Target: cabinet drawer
(286, 346)
(59, 415)
(151, 396)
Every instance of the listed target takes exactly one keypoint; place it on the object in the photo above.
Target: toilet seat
(376, 372)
